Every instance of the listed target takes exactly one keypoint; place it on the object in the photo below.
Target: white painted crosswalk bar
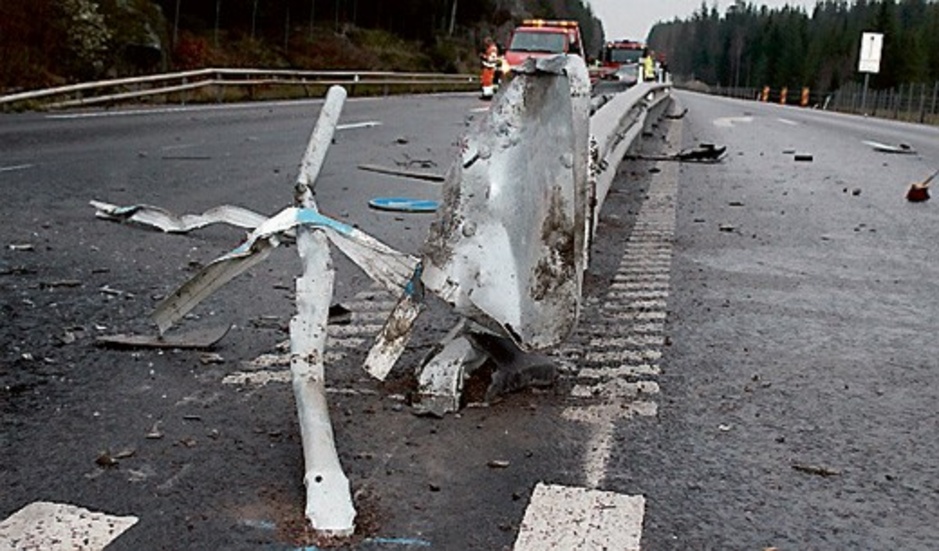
(566, 518)
(45, 526)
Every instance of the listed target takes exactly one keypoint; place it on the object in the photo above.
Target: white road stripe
(14, 168)
(787, 121)
(565, 518)
(624, 356)
(44, 526)
(625, 370)
(616, 389)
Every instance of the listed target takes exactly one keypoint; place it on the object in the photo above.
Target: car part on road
(903, 148)
(919, 191)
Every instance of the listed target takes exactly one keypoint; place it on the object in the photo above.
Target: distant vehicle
(616, 54)
(619, 80)
(542, 38)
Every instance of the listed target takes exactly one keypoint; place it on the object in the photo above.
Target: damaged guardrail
(183, 87)
(507, 251)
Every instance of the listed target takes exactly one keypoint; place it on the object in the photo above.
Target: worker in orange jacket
(490, 60)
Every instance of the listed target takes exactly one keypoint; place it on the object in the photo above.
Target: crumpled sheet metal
(161, 219)
(506, 248)
(382, 263)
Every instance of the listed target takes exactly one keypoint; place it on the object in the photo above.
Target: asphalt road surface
(754, 367)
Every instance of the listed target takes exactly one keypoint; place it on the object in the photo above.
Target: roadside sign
(871, 46)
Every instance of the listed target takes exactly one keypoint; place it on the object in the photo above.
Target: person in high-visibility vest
(648, 65)
(490, 60)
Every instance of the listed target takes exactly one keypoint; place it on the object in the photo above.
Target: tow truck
(542, 38)
(619, 53)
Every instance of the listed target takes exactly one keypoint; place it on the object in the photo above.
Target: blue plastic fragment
(404, 204)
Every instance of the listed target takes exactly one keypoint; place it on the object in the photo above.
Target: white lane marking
(479, 110)
(787, 121)
(15, 167)
(625, 370)
(730, 122)
(44, 526)
(561, 517)
(624, 356)
(616, 389)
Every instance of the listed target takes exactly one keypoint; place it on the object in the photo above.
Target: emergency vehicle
(542, 38)
(618, 53)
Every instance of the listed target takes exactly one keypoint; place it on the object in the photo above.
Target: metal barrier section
(507, 250)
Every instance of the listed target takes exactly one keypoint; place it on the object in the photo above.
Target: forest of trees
(45, 42)
(754, 46)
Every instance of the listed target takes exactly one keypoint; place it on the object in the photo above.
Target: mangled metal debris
(507, 248)
(196, 339)
(704, 153)
(902, 148)
(161, 219)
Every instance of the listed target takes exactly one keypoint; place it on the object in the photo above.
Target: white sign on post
(871, 46)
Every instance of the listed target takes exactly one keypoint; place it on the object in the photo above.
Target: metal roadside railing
(507, 252)
(219, 85)
(915, 102)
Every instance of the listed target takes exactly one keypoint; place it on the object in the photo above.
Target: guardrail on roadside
(217, 85)
(916, 102)
(507, 251)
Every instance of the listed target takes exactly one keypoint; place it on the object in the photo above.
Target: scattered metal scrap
(704, 153)
(919, 191)
(197, 339)
(426, 176)
(903, 148)
(166, 221)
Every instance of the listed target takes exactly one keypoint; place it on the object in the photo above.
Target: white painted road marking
(565, 518)
(44, 526)
(14, 168)
(787, 121)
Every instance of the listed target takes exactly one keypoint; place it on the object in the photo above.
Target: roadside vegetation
(753, 46)
(53, 42)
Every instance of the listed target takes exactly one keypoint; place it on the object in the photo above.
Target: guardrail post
(922, 102)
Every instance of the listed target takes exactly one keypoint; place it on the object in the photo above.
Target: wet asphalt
(798, 390)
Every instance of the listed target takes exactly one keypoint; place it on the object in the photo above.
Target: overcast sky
(634, 18)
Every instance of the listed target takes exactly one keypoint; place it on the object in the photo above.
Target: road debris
(60, 283)
(677, 116)
(903, 148)
(210, 358)
(704, 153)
(919, 191)
(426, 176)
(403, 204)
(22, 247)
(498, 464)
(161, 219)
(197, 339)
(155, 432)
(803, 158)
(816, 470)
